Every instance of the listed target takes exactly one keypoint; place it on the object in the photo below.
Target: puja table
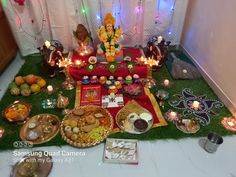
(101, 69)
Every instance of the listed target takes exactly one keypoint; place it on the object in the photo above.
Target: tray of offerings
(134, 119)
(86, 126)
(40, 128)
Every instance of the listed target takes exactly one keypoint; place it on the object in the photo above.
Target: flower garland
(110, 40)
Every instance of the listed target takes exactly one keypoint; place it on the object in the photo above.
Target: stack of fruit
(26, 85)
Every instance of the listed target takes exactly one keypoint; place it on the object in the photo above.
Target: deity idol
(109, 50)
(83, 39)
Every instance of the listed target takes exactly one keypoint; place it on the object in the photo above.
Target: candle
(49, 89)
(173, 114)
(166, 82)
(195, 105)
(229, 123)
(1, 131)
(47, 44)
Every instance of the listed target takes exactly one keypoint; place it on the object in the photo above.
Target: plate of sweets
(121, 151)
(134, 119)
(40, 128)
(86, 126)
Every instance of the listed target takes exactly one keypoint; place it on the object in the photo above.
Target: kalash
(109, 50)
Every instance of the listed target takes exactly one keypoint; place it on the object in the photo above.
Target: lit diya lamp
(229, 123)
(2, 130)
(172, 116)
(196, 105)
(166, 83)
(79, 63)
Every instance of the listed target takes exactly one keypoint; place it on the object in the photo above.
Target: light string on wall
(19, 23)
(76, 8)
(157, 17)
(99, 16)
(170, 30)
(132, 30)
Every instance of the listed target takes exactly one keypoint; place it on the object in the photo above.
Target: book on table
(90, 94)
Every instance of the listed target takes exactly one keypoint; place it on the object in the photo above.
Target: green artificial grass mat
(33, 66)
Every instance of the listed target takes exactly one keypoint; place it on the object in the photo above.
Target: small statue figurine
(157, 48)
(83, 38)
(52, 54)
(109, 49)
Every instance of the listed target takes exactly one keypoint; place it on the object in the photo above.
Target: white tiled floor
(160, 158)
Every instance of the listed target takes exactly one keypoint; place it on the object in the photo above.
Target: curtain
(39, 20)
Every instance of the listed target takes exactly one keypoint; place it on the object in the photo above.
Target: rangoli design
(185, 100)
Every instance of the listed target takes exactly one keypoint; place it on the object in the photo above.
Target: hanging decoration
(134, 33)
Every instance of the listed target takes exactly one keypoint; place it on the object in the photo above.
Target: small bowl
(140, 125)
(17, 112)
(149, 83)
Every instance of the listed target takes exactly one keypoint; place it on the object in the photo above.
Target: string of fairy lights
(82, 11)
(132, 30)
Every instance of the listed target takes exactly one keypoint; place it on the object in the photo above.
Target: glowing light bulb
(98, 17)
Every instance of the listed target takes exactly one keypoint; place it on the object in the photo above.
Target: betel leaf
(91, 67)
(112, 66)
(131, 65)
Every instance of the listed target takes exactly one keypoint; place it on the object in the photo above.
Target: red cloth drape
(101, 69)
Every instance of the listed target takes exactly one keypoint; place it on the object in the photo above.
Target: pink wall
(209, 37)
